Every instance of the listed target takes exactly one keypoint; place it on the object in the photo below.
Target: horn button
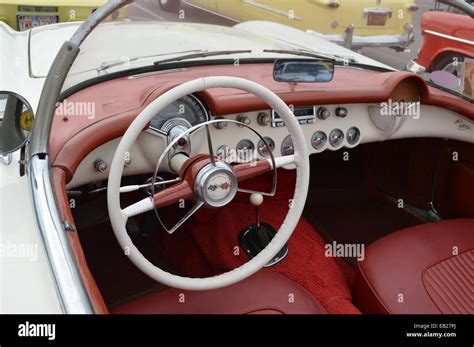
(216, 185)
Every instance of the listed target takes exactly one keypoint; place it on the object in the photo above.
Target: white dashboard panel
(430, 122)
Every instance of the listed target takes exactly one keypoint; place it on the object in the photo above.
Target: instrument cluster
(317, 123)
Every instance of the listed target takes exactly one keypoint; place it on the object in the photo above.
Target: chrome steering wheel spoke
(183, 219)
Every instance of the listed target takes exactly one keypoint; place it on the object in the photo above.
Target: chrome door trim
(70, 288)
(449, 37)
(270, 9)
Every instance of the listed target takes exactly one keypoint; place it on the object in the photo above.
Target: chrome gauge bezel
(239, 153)
(262, 145)
(198, 102)
(287, 141)
(357, 140)
(341, 141)
(324, 142)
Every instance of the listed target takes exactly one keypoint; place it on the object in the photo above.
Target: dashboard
(332, 115)
(362, 123)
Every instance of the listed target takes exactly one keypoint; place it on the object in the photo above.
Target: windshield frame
(57, 74)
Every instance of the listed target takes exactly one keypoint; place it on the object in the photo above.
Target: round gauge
(319, 140)
(189, 108)
(245, 150)
(224, 153)
(264, 147)
(336, 137)
(353, 136)
(287, 146)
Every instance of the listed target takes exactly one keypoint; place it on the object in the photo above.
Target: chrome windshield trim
(70, 288)
(95, 18)
(57, 74)
(449, 37)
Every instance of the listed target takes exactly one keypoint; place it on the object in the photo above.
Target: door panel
(455, 186)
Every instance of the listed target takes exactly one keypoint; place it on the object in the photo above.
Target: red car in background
(448, 37)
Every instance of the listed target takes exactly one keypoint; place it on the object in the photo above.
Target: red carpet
(207, 244)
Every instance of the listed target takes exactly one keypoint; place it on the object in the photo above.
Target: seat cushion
(424, 269)
(266, 292)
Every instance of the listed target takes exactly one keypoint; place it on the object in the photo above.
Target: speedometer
(189, 108)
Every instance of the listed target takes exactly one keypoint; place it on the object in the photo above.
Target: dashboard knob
(220, 125)
(342, 112)
(100, 165)
(264, 119)
(244, 120)
(128, 161)
(323, 113)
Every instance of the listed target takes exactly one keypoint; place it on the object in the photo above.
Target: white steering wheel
(196, 173)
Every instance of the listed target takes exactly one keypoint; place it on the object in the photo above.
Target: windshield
(388, 35)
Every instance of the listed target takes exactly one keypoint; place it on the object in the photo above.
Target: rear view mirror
(16, 119)
(303, 70)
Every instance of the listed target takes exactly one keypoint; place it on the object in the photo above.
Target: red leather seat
(425, 269)
(266, 292)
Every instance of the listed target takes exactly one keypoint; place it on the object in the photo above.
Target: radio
(304, 115)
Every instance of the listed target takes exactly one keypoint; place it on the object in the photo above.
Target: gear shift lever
(256, 200)
(256, 237)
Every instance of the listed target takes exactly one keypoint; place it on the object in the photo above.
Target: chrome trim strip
(378, 10)
(70, 289)
(211, 12)
(374, 41)
(449, 37)
(270, 9)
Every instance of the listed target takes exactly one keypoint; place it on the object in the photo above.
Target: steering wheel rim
(301, 159)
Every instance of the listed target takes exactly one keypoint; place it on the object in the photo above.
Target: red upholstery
(424, 269)
(266, 292)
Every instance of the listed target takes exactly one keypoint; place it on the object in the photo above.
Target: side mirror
(16, 120)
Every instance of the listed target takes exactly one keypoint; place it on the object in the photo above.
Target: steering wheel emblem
(216, 184)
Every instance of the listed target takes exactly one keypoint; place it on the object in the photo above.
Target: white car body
(27, 284)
